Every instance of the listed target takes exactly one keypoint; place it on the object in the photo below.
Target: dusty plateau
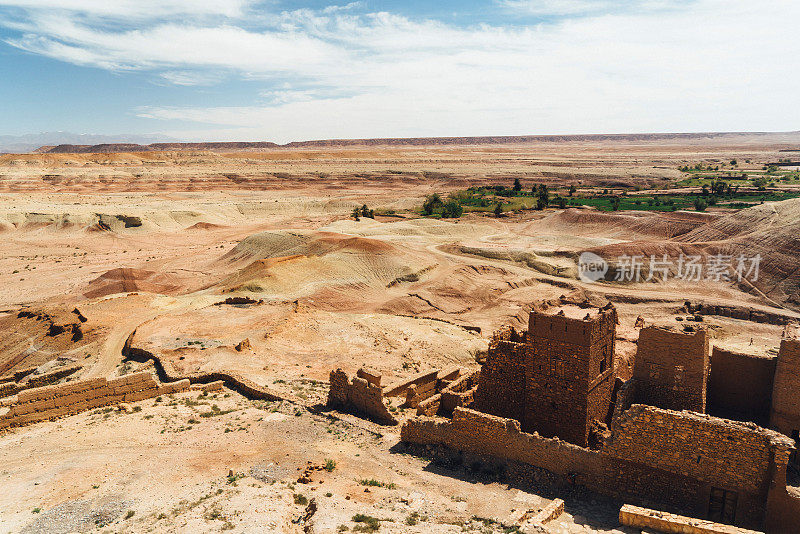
(245, 275)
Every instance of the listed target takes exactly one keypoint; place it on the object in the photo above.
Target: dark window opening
(722, 505)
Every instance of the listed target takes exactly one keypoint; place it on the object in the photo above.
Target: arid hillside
(250, 268)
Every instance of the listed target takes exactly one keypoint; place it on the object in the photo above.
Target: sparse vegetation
(376, 483)
(330, 465)
(368, 523)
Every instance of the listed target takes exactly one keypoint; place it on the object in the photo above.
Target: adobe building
(556, 378)
(569, 372)
(549, 398)
(671, 368)
(740, 385)
(785, 410)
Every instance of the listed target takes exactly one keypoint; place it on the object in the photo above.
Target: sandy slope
(150, 244)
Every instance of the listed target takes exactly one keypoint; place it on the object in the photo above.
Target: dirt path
(111, 353)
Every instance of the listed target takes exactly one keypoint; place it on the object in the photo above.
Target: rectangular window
(679, 374)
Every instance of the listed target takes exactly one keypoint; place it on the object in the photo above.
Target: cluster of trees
(363, 211)
(720, 189)
(451, 209)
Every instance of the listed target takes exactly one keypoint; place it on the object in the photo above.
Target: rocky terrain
(246, 261)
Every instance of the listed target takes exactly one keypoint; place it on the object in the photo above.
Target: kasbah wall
(734, 472)
(785, 413)
(671, 368)
(50, 402)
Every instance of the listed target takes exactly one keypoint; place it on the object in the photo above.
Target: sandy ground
(147, 247)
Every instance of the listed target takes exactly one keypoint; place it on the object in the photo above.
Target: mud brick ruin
(671, 368)
(676, 435)
(364, 393)
(50, 402)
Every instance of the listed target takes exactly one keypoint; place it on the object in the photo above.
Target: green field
(486, 199)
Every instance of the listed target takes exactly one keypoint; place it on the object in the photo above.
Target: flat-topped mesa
(558, 377)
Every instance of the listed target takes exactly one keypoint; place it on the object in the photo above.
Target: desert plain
(251, 262)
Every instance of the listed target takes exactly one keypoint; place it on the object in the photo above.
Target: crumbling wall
(35, 381)
(501, 388)
(654, 456)
(646, 519)
(740, 312)
(459, 393)
(725, 453)
(481, 433)
(785, 412)
(234, 381)
(740, 386)
(671, 368)
(49, 402)
(626, 393)
(423, 388)
(359, 395)
(783, 504)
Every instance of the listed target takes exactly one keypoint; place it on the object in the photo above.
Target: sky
(297, 70)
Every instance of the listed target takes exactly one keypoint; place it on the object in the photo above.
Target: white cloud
(189, 77)
(711, 65)
(587, 7)
(557, 7)
(140, 9)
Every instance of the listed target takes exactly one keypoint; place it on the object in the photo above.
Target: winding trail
(111, 353)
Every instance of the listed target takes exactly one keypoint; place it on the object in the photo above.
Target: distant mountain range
(68, 143)
(786, 138)
(32, 142)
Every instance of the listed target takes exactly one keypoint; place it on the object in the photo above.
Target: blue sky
(282, 71)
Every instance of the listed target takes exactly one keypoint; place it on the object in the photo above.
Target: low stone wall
(211, 386)
(8, 388)
(11, 388)
(423, 382)
(745, 314)
(17, 375)
(358, 395)
(430, 406)
(481, 433)
(49, 402)
(234, 381)
(46, 379)
(644, 518)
